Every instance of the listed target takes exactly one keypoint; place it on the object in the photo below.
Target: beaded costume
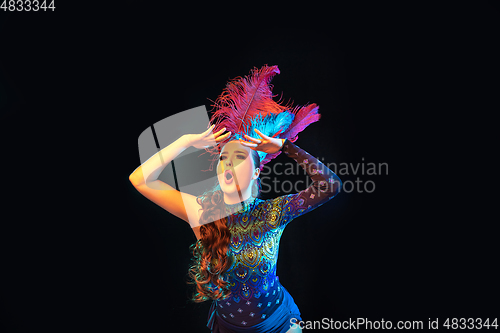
(258, 302)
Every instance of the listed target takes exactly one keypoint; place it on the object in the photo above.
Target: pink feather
(244, 98)
(304, 116)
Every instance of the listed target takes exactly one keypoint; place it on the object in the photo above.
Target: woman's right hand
(206, 139)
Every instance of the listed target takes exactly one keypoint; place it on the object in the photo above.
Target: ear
(256, 173)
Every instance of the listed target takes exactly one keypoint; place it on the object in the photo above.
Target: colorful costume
(258, 301)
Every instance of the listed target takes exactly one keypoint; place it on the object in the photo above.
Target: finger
(208, 130)
(219, 132)
(248, 144)
(252, 139)
(216, 134)
(223, 137)
(243, 141)
(260, 133)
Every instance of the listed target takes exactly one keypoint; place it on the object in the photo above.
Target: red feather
(304, 116)
(244, 98)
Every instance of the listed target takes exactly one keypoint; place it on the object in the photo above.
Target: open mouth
(228, 176)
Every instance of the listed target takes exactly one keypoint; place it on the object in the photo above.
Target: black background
(83, 251)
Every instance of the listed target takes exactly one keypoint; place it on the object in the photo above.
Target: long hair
(211, 257)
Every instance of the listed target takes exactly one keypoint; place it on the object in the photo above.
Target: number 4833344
(27, 5)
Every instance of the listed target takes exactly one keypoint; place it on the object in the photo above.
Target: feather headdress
(247, 104)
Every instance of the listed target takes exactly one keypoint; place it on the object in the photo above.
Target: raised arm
(145, 180)
(149, 171)
(326, 184)
(145, 177)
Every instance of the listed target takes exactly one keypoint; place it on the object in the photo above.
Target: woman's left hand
(266, 144)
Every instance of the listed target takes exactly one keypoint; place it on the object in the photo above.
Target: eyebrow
(236, 151)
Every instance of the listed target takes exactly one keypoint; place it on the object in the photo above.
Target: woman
(238, 233)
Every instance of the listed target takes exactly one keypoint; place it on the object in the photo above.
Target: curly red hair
(210, 252)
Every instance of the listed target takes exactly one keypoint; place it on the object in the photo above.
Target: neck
(237, 197)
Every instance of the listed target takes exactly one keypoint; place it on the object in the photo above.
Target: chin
(230, 188)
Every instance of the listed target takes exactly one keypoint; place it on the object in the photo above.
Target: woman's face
(235, 168)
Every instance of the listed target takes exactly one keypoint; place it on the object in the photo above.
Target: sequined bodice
(254, 245)
(256, 231)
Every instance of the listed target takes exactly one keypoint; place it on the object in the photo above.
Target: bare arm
(150, 170)
(145, 180)
(145, 177)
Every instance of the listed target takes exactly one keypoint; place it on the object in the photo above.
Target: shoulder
(267, 204)
(273, 207)
(278, 202)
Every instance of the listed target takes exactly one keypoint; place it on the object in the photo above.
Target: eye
(239, 156)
